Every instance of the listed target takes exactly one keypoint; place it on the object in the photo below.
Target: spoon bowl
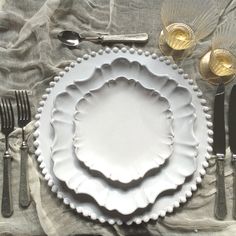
(69, 38)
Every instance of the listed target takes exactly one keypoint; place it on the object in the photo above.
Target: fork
(24, 117)
(7, 126)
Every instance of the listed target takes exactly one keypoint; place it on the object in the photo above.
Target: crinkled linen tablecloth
(31, 55)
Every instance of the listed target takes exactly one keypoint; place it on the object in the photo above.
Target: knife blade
(219, 151)
(232, 141)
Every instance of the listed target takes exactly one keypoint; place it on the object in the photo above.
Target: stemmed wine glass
(220, 61)
(185, 22)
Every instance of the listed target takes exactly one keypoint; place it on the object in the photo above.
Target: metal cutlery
(72, 39)
(7, 126)
(24, 117)
(219, 151)
(232, 141)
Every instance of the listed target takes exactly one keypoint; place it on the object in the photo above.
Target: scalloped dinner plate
(123, 130)
(174, 174)
(68, 169)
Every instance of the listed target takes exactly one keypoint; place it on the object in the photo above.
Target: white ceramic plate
(123, 130)
(114, 197)
(81, 72)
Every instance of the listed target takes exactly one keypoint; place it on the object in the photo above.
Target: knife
(232, 140)
(219, 151)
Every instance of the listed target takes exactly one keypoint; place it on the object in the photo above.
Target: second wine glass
(219, 64)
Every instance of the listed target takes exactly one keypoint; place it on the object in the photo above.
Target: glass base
(168, 51)
(208, 75)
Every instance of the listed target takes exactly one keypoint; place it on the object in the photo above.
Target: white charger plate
(123, 130)
(44, 134)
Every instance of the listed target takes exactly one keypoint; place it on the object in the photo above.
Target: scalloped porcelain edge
(170, 208)
(130, 172)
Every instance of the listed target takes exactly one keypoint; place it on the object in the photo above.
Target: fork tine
(12, 114)
(17, 104)
(8, 114)
(28, 106)
(21, 106)
(2, 118)
(24, 105)
(4, 115)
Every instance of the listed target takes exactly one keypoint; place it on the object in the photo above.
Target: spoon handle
(135, 38)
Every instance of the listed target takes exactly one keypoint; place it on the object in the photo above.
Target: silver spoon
(72, 39)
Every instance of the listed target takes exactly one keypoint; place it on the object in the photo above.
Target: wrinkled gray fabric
(31, 55)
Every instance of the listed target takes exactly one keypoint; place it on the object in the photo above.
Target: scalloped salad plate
(123, 130)
(188, 157)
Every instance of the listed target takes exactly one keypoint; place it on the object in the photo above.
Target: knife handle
(220, 201)
(234, 186)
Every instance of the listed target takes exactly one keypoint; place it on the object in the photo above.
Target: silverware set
(219, 147)
(24, 117)
(7, 127)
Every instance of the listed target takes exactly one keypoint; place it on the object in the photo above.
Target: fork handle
(24, 194)
(7, 207)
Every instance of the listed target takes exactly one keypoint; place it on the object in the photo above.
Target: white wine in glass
(179, 36)
(222, 62)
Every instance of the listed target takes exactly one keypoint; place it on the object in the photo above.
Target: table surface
(32, 56)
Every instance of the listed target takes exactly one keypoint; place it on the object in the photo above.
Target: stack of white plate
(123, 136)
